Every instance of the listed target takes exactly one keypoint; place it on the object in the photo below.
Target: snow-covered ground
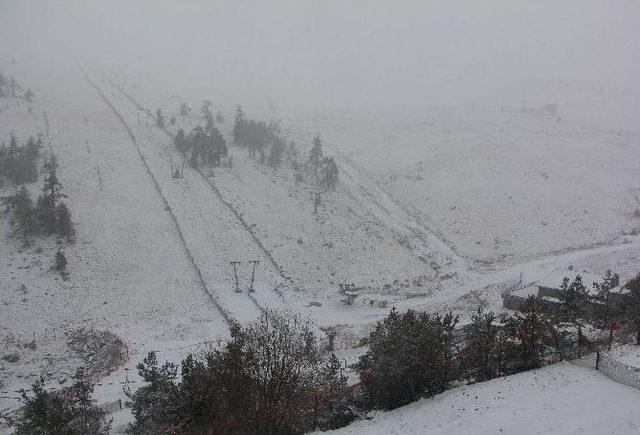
(498, 184)
(559, 399)
(451, 237)
(124, 277)
(627, 354)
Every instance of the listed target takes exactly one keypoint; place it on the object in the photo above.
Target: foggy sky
(358, 55)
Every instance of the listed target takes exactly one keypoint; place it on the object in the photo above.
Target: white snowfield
(151, 260)
(561, 399)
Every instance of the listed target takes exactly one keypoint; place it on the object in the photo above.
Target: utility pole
(254, 263)
(235, 273)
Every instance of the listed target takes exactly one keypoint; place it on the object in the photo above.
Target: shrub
(67, 412)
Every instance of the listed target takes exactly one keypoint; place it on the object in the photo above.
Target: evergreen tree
(482, 351)
(172, 120)
(238, 139)
(526, 337)
(410, 356)
(48, 200)
(181, 142)
(155, 405)
(332, 402)
(329, 173)
(605, 311)
(316, 155)
(159, 118)
(574, 298)
(67, 412)
(219, 117)
(632, 303)
(64, 224)
(3, 85)
(24, 222)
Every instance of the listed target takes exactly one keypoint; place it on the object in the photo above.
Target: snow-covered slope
(559, 399)
(129, 273)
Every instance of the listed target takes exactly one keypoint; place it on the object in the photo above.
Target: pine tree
(24, 222)
(159, 118)
(180, 141)
(315, 154)
(526, 337)
(574, 299)
(332, 402)
(604, 313)
(3, 86)
(329, 173)
(64, 224)
(51, 194)
(70, 411)
(632, 303)
(238, 125)
(482, 347)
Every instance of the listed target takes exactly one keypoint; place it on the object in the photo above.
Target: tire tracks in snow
(228, 318)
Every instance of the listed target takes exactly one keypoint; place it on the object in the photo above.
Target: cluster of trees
(324, 168)
(49, 215)
(260, 138)
(19, 163)
(268, 141)
(70, 411)
(204, 145)
(9, 87)
(271, 377)
(600, 307)
(414, 355)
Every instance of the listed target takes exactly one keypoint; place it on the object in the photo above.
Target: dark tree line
(50, 215)
(267, 142)
(271, 377)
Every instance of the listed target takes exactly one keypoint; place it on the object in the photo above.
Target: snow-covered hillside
(478, 149)
(555, 400)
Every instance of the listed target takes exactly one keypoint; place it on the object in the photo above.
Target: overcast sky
(360, 55)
